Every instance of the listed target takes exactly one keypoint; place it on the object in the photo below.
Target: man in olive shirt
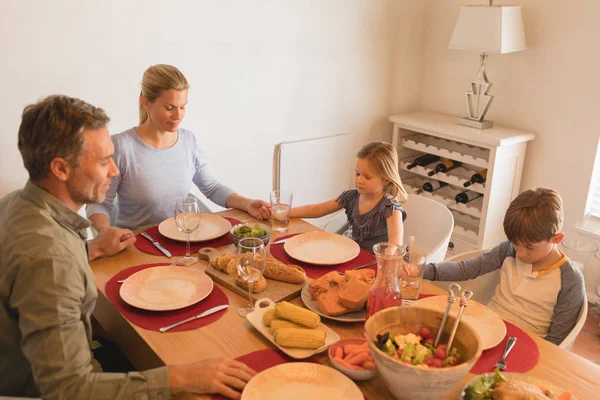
(47, 288)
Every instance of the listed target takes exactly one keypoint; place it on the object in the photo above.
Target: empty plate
(211, 227)
(166, 288)
(321, 248)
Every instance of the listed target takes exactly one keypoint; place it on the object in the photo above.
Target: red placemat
(315, 271)
(524, 356)
(178, 248)
(264, 359)
(153, 320)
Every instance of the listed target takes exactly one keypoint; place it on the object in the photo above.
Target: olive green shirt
(47, 296)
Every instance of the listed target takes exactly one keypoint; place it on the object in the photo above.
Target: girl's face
(367, 182)
(167, 111)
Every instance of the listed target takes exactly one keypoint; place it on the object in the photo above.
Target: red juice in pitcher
(380, 298)
(385, 292)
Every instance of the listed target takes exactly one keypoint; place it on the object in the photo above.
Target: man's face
(89, 181)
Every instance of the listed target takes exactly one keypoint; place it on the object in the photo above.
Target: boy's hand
(407, 270)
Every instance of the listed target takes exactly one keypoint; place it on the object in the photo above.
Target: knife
(366, 265)
(156, 244)
(280, 241)
(202, 314)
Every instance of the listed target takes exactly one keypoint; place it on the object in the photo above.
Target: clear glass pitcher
(385, 292)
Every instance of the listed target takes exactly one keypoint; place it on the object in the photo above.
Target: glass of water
(413, 263)
(250, 263)
(281, 203)
(187, 219)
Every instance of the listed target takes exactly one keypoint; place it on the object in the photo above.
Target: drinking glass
(250, 263)
(187, 219)
(281, 203)
(413, 263)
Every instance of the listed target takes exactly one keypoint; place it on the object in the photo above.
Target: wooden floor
(587, 344)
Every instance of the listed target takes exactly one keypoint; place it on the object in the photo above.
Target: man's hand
(259, 209)
(222, 376)
(109, 241)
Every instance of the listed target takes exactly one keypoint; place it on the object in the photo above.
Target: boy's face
(532, 253)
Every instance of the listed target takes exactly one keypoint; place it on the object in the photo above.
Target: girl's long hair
(383, 158)
(158, 78)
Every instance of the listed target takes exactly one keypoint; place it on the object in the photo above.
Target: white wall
(550, 89)
(261, 72)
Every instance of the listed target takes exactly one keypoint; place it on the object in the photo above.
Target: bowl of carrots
(353, 358)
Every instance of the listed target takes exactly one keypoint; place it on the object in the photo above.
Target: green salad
(483, 389)
(250, 231)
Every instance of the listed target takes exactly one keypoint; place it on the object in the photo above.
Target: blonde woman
(373, 208)
(158, 160)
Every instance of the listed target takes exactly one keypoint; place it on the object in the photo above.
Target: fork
(501, 364)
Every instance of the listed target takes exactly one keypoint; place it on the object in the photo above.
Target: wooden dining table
(232, 336)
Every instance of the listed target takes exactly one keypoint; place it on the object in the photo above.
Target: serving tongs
(451, 300)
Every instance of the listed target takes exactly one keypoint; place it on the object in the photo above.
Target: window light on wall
(592, 209)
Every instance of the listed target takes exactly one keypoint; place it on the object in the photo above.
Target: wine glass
(187, 219)
(250, 263)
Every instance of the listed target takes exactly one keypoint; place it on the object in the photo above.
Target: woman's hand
(259, 209)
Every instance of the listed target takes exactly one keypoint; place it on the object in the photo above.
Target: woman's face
(167, 111)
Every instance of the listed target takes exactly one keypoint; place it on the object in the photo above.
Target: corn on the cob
(277, 324)
(302, 338)
(268, 316)
(296, 314)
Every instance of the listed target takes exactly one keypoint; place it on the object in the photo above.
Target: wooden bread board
(276, 290)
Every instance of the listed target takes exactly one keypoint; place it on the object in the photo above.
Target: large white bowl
(408, 382)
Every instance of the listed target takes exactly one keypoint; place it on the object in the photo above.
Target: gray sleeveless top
(369, 228)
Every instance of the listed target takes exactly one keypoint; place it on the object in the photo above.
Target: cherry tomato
(440, 354)
(454, 360)
(425, 333)
(428, 361)
(443, 346)
(399, 352)
(437, 363)
(429, 341)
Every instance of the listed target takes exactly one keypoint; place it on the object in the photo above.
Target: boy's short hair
(534, 216)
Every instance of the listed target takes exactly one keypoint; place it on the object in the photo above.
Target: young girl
(373, 208)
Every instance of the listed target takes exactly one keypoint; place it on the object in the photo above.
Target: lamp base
(475, 124)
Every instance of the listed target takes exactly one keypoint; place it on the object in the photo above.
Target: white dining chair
(483, 287)
(430, 222)
(568, 342)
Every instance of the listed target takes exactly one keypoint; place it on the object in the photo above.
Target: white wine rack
(478, 223)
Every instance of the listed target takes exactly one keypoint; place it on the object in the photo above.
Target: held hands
(222, 376)
(109, 241)
(259, 209)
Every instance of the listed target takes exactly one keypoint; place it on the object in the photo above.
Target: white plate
(301, 381)
(356, 316)
(165, 288)
(211, 227)
(321, 248)
(256, 319)
(514, 376)
(487, 323)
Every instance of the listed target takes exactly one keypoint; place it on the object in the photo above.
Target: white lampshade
(486, 29)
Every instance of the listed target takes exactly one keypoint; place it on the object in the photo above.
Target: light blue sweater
(152, 179)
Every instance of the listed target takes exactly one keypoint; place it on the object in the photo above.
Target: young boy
(540, 290)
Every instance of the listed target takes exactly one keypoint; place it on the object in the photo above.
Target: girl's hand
(259, 209)
(405, 270)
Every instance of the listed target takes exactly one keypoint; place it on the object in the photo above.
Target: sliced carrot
(368, 365)
(339, 352)
(358, 359)
(344, 363)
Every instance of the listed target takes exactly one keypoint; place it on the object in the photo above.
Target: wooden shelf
(472, 155)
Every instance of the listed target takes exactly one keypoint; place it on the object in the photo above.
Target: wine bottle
(445, 166)
(431, 186)
(479, 177)
(467, 196)
(425, 159)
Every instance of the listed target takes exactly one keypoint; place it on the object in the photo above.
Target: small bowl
(354, 374)
(236, 239)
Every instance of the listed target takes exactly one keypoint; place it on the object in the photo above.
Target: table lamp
(488, 30)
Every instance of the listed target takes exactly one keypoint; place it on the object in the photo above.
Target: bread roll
(258, 286)
(286, 273)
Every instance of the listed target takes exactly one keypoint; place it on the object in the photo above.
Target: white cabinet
(499, 150)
